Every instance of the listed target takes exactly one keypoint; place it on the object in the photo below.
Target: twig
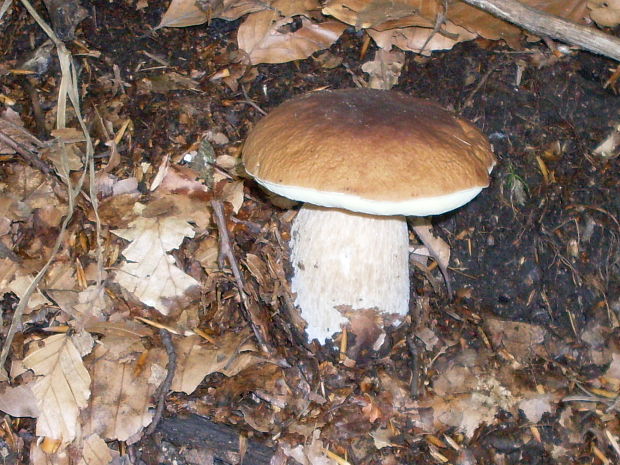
(440, 20)
(476, 89)
(227, 252)
(164, 387)
(544, 24)
(39, 118)
(415, 366)
(28, 156)
(250, 102)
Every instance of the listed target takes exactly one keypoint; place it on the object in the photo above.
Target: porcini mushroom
(362, 160)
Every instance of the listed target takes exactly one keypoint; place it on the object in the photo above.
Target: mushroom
(362, 160)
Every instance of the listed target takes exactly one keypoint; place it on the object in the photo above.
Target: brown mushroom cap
(371, 151)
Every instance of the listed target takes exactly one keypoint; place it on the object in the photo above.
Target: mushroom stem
(345, 261)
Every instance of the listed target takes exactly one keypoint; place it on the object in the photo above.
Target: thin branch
(227, 253)
(164, 387)
(544, 24)
(29, 156)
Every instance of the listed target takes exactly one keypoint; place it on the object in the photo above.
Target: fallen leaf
(182, 13)
(438, 248)
(535, 407)
(371, 13)
(605, 12)
(382, 437)
(121, 397)
(167, 82)
(19, 401)
(421, 40)
(195, 360)
(11, 125)
(83, 306)
(150, 272)
(519, 339)
(95, 451)
(384, 70)
(310, 453)
(261, 39)
(40, 457)
(232, 192)
(62, 388)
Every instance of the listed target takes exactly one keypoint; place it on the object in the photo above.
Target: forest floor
(521, 366)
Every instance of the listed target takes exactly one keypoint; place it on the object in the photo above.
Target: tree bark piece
(543, 24)
(217, 439)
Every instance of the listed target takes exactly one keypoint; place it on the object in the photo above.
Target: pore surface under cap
(368, 145)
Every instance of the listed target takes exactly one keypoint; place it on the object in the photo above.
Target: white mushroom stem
(345, 261)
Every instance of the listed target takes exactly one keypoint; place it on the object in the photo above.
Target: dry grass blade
(68, 89)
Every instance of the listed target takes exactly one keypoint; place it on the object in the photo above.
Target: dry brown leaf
(605, 12)
(121, 340)
(109, 185)
(150, 272)
(207, 254)
(167, 82)
(235, 9)
(471, 390)
(536, 406)
(295, 7)
(420, 39)
(19, 284)
(64, 156)
(232, 192)
(384, 15)
(31, 189)
(468, 411)
(8, 268)
(62, 388)
(311, 453)
(122, 329)
(261, 39)
(382, 437)
(83, 306)
(196, 360)
(19, 401)
(519, 339)
(184, 13)
(121, 398)
(12, 126)
(438, 248)
(95, 451)
(188, 196)
(384, 70)
(372, 13)
(39, 457)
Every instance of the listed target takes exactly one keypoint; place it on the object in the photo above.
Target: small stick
(249, 101)
(164, 387)
(415, 366)
(227, 252)
(468, 101)
(26, 154)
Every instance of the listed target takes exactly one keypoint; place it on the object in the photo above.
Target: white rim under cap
(422, 206)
